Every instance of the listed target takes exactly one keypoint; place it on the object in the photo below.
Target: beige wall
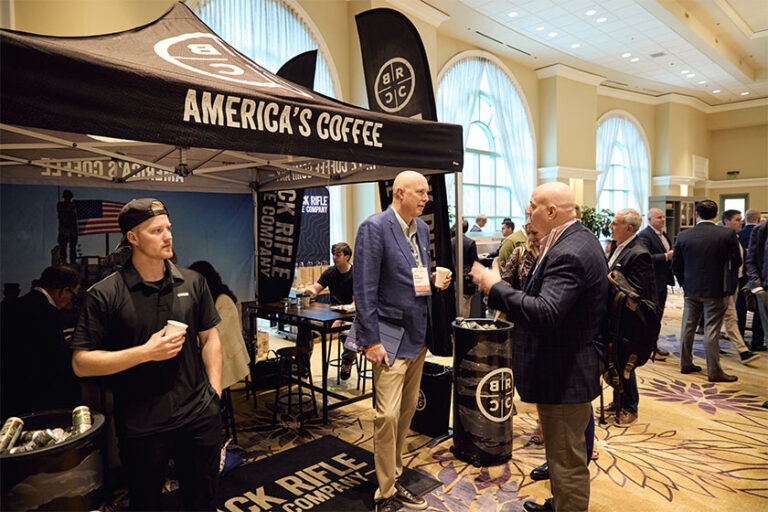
(739, 149)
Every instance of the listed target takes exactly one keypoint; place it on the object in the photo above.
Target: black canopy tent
(180, 101)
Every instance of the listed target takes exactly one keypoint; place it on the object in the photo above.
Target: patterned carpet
(697, 446)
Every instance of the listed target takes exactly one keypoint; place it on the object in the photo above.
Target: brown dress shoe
(723, 377)
(625, 419)
(662, 352)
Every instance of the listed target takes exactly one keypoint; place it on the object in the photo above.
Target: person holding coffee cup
(141, 325)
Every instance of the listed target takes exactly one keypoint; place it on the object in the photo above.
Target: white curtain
(638, 163)
(457, 98)
(267, 31)
(607, 133)
(515, 134)
(457, 94)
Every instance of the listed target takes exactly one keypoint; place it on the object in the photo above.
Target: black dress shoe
(540, 472)
(662, 352)
(691, 368)
(387, 505)
(722, 377)
(532, 506)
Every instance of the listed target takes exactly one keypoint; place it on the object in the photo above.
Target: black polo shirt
(340, 285)
(122, 311)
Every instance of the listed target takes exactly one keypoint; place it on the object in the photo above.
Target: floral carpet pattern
(697, 446)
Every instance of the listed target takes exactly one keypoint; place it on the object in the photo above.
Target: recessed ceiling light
(512, 14)
(684, 72)
(539, 29)
(600, 20)
(575, 45)
(745, 93)
(716, 91)
(625, 55)
(591, 12)
(634, 59)
(552, 34)
(702, 82)
(691, 75)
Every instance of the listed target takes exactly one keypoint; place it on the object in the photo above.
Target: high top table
(318, 317)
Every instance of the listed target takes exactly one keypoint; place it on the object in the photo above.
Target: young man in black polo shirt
(166, 387)
(338, 279)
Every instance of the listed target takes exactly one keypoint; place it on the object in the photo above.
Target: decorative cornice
(570, 73)
(612, 92)
(661, 181)
(553, 173)
(743, 183)
(421, 10)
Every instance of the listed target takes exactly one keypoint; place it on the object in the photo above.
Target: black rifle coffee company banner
(300, 69)
(279, 222)
(315, 228)
(398, 82)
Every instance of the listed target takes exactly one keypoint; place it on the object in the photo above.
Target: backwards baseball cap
(137, 211)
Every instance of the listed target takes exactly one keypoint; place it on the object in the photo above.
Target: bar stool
(364, 373)
(338, 361)
(286, 357)
(228, 414)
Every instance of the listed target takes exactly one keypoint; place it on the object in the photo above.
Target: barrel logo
(494, 395)
(422, 403)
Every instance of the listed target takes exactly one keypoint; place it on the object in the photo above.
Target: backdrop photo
(206, 226)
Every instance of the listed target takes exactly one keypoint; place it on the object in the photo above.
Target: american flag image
(95, 216)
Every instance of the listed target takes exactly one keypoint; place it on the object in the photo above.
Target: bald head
(410, 193)
(552, 204)
(656, 219)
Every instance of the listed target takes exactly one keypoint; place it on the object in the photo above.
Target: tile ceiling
(650, 46)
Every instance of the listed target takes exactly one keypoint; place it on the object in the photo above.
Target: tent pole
(459, 244)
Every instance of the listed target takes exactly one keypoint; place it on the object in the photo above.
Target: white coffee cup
(173, 327)
(441, 275)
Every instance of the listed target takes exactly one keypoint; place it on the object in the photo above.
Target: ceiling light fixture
(539, 29)
(625, 55)
(600, 20)
(716, 91)
(575, 45)
(634, 59)
(591, 12)
(552, 34)
(702, 82)
(512, 14)
(745, 93)
(691, 75)
(684, 72)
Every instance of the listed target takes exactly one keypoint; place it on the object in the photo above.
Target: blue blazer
(557, 318)
(707, 260)
(383, 284)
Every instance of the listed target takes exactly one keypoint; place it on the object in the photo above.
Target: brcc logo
(422, 403)
(207, 55)
(394, 84)
(494, 395)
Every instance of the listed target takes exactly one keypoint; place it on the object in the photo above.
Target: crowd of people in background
(549, 277)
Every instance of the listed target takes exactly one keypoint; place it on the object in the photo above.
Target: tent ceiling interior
(172, 99)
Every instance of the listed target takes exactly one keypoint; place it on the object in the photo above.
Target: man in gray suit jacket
(706, 261)
(393, 325)
(557, 317)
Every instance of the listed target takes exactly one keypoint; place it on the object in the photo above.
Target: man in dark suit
(393, 325)
(37, 366)
(557, 316)
(469, 251)
(706, 259)
(758, 344)
(633, 260)
(757, 272)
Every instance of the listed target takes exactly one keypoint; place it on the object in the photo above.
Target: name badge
(421, 281)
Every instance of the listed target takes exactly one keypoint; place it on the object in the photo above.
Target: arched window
(271, 32)
(623, 157)
(499, 164)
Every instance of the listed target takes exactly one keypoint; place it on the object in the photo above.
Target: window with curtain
(271, 32)
(499, 168)
(623, 158)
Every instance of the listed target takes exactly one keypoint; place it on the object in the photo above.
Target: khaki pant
(397, 393)
(563, 426)
(731, 322)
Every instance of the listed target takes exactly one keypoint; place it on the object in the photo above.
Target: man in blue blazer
(706, 261)
(757, 273)
(744, 235)
(392, 325)
(557, 317)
